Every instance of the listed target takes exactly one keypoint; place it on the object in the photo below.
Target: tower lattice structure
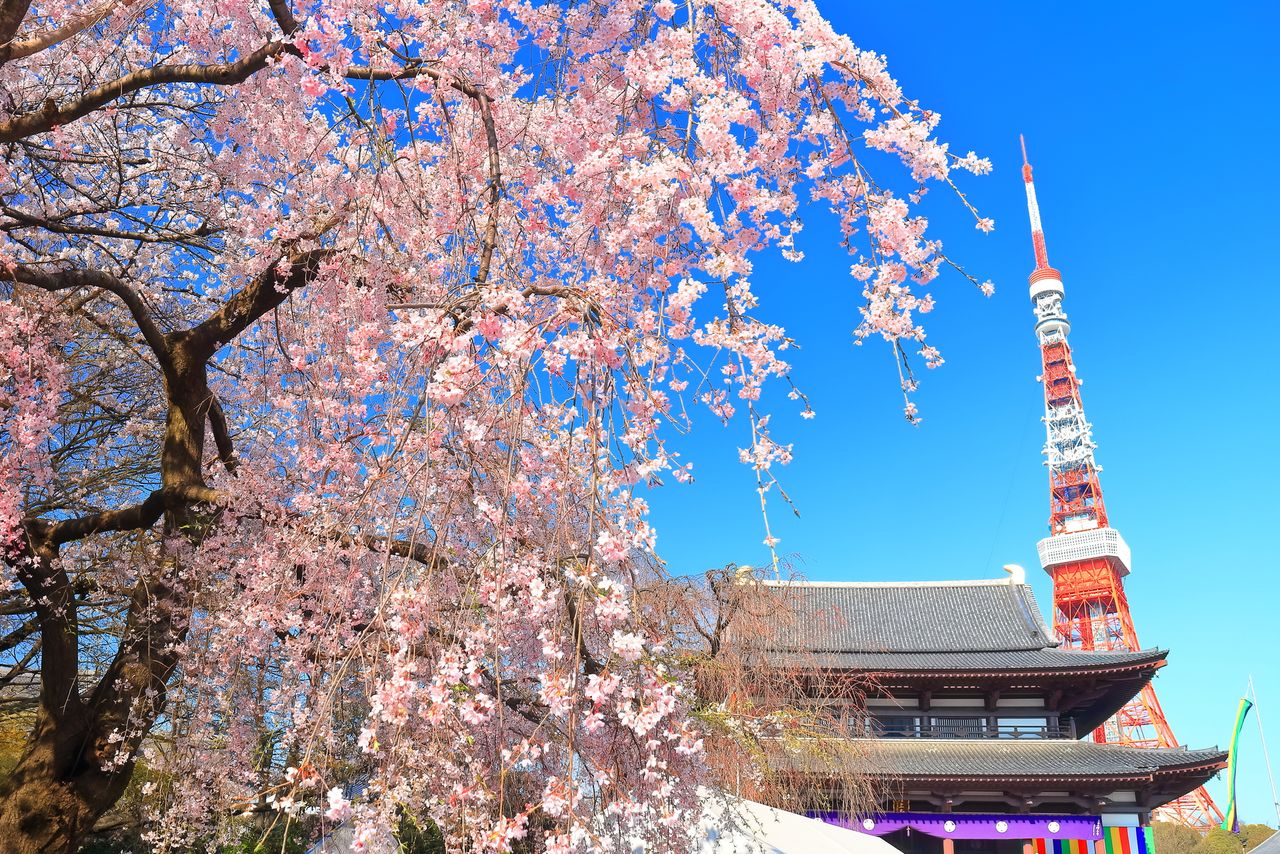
(1087, 558)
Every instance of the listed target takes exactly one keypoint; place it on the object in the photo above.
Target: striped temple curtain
(1115, 840)
(1061, 846)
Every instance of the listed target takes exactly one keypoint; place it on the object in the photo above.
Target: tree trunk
(53, 797)
(80, 755)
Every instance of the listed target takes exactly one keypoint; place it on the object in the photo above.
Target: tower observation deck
(1087, 558)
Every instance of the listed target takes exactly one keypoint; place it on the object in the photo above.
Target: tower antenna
(1033, 211)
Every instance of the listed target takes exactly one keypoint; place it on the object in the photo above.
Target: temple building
(970, 715)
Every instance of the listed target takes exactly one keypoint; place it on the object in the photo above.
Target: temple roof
(922, 616)
(1057, 758)
(1031, 765)
(1034, 660)
(965, 626)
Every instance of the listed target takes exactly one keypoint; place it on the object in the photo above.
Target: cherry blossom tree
(340, 342)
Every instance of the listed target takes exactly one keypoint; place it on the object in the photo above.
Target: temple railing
(967, 728)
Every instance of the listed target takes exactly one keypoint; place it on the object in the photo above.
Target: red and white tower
(1087, 558)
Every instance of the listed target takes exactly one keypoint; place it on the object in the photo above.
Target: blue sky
(1152, 129)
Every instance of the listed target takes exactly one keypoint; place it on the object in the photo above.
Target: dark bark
(12, 12)
(72, 770)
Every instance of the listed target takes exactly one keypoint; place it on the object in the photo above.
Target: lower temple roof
(1033, 766)
(1057, 758)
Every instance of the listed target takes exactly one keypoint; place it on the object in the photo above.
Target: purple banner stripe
(974, 825)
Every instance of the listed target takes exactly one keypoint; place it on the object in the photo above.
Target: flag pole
(1257, 715)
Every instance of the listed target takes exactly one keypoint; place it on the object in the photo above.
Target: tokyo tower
(1087, 558)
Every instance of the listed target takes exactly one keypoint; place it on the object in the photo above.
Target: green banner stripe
(1229, 820)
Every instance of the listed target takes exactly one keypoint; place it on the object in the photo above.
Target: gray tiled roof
(1057, 758)
(1015, 660)
(953, 616)
(940, 625)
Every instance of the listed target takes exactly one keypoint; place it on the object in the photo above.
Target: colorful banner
(1232, 821)
(1048, 834)
(957, 825)
(1115, 840)
(1127, 840)
(1061, 846)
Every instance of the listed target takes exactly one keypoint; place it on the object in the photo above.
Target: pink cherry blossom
(355, 335)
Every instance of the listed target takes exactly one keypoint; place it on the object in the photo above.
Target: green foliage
(1255, 834)
(416, 838)
(1219, 841)
(116, 843)
(14, 727)
(128, 816)
(1174, 838)
(279, 838)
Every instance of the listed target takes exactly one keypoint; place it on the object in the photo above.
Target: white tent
(736, 826)
(729, 825)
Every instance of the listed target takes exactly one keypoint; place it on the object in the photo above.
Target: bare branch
(151, 236)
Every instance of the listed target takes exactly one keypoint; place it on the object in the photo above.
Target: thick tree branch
(18, 635)
(590, 665)
(423, 553)
(12, 49)
(490, 239)
(267, 291)
(222, 435)
(53, 114)
(61, 280)
(134, 518)
(12, 13)
(284, 16)
(7, 678)
(50, 589)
